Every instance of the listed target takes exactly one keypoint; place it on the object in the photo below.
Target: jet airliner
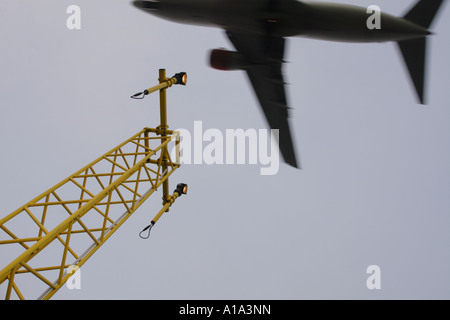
(258, 28)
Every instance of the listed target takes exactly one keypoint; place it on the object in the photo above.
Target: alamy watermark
(73, 22)
(74, 281)
(374, 280)
(374, 20)
(234, 146)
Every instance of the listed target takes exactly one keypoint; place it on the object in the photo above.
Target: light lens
(182, 188)
(181, 78)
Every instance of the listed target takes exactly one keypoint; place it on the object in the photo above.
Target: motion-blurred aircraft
(257, 29)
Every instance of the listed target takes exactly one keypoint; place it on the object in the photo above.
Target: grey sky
(375, 184)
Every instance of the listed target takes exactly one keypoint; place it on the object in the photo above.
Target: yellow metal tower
(54, 234)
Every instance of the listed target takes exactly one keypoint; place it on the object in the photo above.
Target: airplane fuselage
(258, 28)
(327, 21)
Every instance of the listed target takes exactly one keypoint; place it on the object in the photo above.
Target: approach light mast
(62, 228)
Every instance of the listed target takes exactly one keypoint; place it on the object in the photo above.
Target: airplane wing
(265, 56)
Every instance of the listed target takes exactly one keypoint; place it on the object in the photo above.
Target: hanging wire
(149, 228)
(139, 95)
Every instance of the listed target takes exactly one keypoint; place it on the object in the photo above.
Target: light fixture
(181, 189)
(181, 78)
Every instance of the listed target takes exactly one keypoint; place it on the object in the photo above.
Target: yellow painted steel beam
(78, 215)
(124, 180)
(163, 126)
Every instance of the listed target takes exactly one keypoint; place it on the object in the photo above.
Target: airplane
(258, 28)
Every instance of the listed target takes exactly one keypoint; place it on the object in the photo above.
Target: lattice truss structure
(65, 225)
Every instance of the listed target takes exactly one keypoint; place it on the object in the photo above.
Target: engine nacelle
(227, 60)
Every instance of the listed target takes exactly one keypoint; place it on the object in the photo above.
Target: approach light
(181, 188)
(181, 78)
(178, 78)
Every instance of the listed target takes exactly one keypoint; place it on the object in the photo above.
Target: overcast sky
(375, 183)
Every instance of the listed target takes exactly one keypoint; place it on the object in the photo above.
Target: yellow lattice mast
(65, 226)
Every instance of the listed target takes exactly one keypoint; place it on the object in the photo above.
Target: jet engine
(227, 60)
